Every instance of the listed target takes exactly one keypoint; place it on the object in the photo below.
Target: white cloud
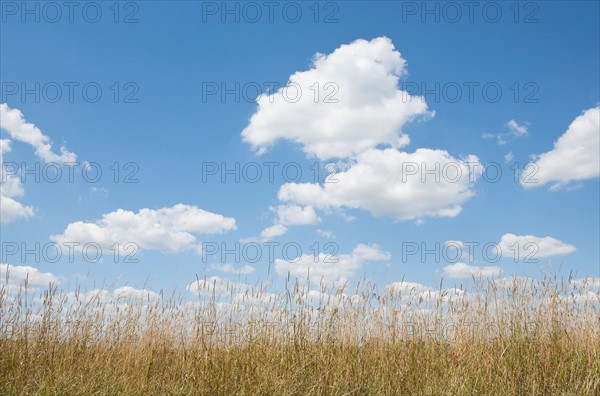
(216, 285)
(109, 304)
(508, 158)
(13, 122)
(370, 113)
(369, 110)
(331, 268)
(585, 297)
(584, 290)
(516, 283)
(463, 271)
(166, 229)
(268, 234)
(418, 293)
(532, 247)
(88, 297)
(19, 129)
(10, 188)
(272, 232)
(517, 129)
(228, 268)
(574, 156)
(457, 250)
(296, 215)
(406, 289)
(11, 185)
(11, 210)
(381, 182)
(444, 296)
(325, 234)
(586, 283)
(286, 215)
(130, 293)
(17, 274)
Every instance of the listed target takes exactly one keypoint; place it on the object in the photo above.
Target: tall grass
(507, 337)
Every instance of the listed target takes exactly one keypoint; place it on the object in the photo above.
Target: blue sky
(166, 129)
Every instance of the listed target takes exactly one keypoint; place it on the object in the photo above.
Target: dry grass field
(504, 337)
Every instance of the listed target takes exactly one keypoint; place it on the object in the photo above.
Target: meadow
(510, 336)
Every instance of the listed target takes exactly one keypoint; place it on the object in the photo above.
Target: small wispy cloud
(518, 129)
(228, 268)
(515, 130)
